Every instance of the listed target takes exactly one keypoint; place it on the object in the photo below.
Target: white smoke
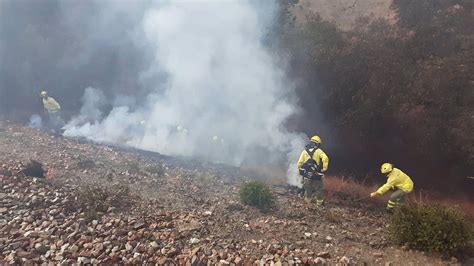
(224, 98)
(35, 121)
(90, 113)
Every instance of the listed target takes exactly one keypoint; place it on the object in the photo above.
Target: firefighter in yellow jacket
(396, 179)
(53, 108)
(313, 162)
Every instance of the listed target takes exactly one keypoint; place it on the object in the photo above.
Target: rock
(388, 263)
(345, 260)
(194, 240)
(223, 255)
(237, 260)
(329, 238)
(153, 244)
(377, 254)
(83, 260)
(139, 225)
(188, 227)
(195, 251)
(161, 261)
(307, 234)
(64, 247)
(74, 248)
(128, 247)
(15, 245)
(319, 261)
(33, 234)
(24, 254)
(323, 254)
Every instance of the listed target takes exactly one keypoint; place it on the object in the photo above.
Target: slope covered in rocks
(167, 210)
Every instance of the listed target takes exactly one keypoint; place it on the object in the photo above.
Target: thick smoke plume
(223, 98)
(189, 78)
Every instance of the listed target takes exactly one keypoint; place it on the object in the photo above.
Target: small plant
(133, 167)
(95, 199)
(431, 228)
(156, 169)
(86, 164)
(256, 193)
(333, 217)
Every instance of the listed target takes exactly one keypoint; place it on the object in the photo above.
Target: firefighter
(313, 162)
(53, 109)
(396, 179)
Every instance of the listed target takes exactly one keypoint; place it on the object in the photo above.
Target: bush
(156, 169)
(431, 228)
(99, 199)
(256, 193)
(133, 167)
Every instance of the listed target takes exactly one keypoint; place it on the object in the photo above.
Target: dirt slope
(344, 13)
(188, 213)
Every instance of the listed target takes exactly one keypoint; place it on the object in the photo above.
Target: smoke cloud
(35, 121)
(188, 78)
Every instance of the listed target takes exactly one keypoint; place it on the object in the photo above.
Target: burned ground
(176, 211)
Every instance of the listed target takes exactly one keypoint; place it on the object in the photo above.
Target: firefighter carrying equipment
(315, 154)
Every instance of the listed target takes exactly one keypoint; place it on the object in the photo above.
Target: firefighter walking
(53, 109)
(313, 162)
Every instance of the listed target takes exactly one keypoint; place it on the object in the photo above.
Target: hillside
(168, 210)
(345, 14)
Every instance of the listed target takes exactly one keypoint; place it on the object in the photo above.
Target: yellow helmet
(44, 93)
(386, 168)
(316, 139)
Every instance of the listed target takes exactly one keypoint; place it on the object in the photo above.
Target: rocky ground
(168, 211)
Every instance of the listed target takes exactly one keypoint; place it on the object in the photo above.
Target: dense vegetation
(399, 92)
(431, 228)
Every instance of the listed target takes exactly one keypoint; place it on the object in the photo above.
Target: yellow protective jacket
(397, 179)
(51, 105)
(319, 156)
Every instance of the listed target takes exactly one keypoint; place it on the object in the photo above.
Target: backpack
(310, 169)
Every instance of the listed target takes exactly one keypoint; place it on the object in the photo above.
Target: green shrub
(99, 199)
(156, 169)
(431, 228)
(133, 167)
(256, 193)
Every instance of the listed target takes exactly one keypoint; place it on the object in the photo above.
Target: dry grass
(348, 188)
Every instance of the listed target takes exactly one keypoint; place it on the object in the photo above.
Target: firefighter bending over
(396, 179)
